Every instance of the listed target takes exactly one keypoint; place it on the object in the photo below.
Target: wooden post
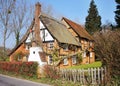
(98, 73)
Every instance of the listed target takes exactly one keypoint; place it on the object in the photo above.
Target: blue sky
(76, 10)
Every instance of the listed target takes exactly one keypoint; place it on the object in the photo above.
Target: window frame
(84, 54)
(74, 59)
(51, 45)
(91, 54)
(65, 48)
(65, 61)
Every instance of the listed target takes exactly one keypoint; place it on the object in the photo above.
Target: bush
(107, 48)
(20, 68)
(51, 72)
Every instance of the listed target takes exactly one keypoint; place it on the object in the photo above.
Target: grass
(85, 66)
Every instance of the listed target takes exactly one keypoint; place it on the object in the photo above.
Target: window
(50, 59)
(27, 47)
(91, 44)
(65, 61)
(51, 45)
(74, 60)
(91, 54)
(65, 48)
(33, 52)
(84, 54)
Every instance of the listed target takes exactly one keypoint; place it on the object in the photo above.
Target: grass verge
(85, 66)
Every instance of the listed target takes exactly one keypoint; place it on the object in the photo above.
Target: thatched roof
(58, 30)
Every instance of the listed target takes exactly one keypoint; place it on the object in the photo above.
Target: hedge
(20, 68)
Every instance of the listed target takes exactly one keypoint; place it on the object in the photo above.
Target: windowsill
(74, 63)
(65, 64)
(65, 50)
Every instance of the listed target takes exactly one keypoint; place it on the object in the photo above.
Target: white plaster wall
(29, 38)
(35, 56)
(45, 34)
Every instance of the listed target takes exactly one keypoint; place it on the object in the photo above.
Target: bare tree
(107, 47)
(22, 16)
(6, 8)
(48, 9)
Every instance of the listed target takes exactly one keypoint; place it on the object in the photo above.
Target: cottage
(53, 42)
(86, 54)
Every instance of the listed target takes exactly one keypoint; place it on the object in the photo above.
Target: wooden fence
(94, 76)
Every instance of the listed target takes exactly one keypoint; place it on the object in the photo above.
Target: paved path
(10, 81)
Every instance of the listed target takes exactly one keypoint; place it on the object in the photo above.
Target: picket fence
(94, 76)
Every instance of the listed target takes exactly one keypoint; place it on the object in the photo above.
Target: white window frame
(84, 54)
(65, 61)
(91, 54)
(74, 59)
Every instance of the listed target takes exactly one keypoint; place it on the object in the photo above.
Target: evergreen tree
(93, 20)
(117, 13)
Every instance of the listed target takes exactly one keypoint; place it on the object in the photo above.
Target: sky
(75, 10)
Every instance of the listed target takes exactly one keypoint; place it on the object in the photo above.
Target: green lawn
(85, 66)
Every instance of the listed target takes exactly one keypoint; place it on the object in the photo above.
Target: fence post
(102, 74)
(81, 76)
(95, 75)
(98, 75)
(92, 75)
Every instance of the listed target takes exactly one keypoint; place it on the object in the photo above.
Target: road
(10, 81)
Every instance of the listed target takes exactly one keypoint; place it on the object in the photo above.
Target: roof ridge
(52, 18)
(73, 22)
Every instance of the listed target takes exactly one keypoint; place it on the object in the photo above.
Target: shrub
(51, 72)
(19, 56)
(107, 48)
(79, 56)
(20, 68)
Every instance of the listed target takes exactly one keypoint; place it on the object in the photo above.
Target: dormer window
(65, 47)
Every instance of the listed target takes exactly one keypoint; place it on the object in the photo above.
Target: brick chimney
(37, 40)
